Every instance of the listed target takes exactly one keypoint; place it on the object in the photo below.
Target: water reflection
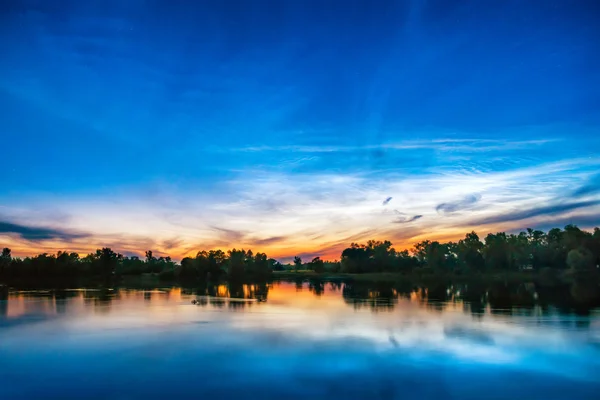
(476, 299)
(310, 339)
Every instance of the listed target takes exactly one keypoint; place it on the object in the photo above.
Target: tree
(67, 264)
(317, 265)
(356, 259)
(469, 253)
(131, 266)
(556, 253)
(581, 259)
(497, 252)
(152, 264)
(297, 263)
(105, 261)
(6, 254)
(261, 268)
(432, 254)
(5, 259)
(405, 262)
(382, 255)
(189, 268)
(537, 241)
(236, 264)
(275, 265)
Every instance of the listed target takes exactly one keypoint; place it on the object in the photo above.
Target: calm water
(288, 341)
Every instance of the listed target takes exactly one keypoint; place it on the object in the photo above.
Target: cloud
(465, 203)
(172, 243)
(583, 221)
(592, 186)
(467, 145)
(35, 234)
(269, 241)
(316, 213)
(407, 219)
(386, 201)
(473, 335)
(551, 210)
(230, 235)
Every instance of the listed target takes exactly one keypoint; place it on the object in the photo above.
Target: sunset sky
(294, 127)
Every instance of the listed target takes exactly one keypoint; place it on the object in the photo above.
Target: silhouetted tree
(297, 263)
(5, 259)
(260, 267)
(236, 264)
(356, 259)
(547, 253)
(469, 253)
(275, 265)
(189, 269)
(105, 261)
(317, 265)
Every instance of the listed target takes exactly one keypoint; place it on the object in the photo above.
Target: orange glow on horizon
(328, 250)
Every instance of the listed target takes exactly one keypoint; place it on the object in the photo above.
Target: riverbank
(401, 277)
(547, 277)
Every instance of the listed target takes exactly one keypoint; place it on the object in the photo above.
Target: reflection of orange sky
(281, 296)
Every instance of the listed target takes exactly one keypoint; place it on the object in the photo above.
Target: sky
(294, 127)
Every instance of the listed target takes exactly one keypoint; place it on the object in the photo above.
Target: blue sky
(285, 125)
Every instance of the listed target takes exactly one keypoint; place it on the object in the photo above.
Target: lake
(291, 340)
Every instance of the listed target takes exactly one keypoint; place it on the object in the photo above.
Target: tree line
(530, 250)
(557, 249)
(107, 264)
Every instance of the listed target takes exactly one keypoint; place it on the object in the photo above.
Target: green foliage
(580, 259)
(501, 252)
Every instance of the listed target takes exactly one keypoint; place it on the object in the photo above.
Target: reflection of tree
(236, 290)
(316, 286)
(216, 302)
(585, 294)
(583, 323)
(99, 299)
(404, 289)
(473, 294)
(437, 295)
(335, 286)
(234, 304)
(523, 295)
(3, 301)
(499, 297)
(258, 291)
(375, 296)
(299, 283)
(61, 299)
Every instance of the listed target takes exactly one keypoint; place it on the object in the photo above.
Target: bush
(167, 275)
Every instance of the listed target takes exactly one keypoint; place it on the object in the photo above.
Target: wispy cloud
(456, 145)
(407, 219)
(549, 210)
(316, 213)
(592, 186)
(463, 204)
(37, 234)
(269, 241)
